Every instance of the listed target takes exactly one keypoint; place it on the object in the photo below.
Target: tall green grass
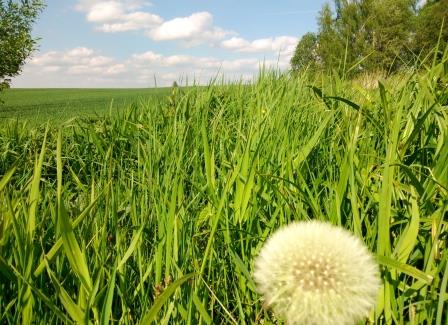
(155, 215)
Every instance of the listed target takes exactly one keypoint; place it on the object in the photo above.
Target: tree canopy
(16, 41)
(306, 53)
(429, 26)
(368, 35)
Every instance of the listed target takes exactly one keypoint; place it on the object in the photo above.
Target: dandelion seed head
(316, 273)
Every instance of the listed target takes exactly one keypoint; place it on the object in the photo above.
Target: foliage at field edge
(371, 36)
(16, 41)
(158, 213)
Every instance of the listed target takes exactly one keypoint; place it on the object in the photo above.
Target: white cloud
(80, 52)
(99, 61)
(115, 69)
(113, 16)
(105, 11)
(235, 43)
(151, 58)
(194, 63)
(194, 28)
(78, 69)
(85, 67)
(280, 44)
(51, 68)
(74, 57)
(86, 5)
(147, 56)
(132, 21)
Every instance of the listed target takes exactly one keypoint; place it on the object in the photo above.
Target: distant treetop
(373, 35)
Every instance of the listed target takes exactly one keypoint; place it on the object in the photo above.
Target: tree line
(357, 36)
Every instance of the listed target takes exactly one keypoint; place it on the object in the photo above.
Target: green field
(155, 213)
(40, 105)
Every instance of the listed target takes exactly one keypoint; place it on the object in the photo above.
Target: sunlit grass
(156, 213)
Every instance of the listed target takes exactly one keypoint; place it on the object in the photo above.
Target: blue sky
(131, 43)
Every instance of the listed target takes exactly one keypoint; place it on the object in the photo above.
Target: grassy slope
(40, 105)
(197, 183)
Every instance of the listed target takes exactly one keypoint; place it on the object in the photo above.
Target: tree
(352, 34)
(330, 48)
(16, 41)
(392, 33)
(305, 55)
(365, 35)
(429, 26)
(377, 35)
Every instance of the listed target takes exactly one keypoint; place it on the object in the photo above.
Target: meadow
(156, 213)
(40, 105)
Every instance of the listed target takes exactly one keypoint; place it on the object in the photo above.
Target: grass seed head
(316, 273)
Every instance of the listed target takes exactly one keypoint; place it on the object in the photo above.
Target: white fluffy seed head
(316, 273)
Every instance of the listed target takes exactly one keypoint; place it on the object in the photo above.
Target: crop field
(156, 212)
(40, 105)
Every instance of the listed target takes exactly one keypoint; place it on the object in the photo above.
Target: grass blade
(5, 179)
(151, 314)
(132, 247)
(55, 248)
(106, 310)
(34, 191)
(306, 149)
(405, 268)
